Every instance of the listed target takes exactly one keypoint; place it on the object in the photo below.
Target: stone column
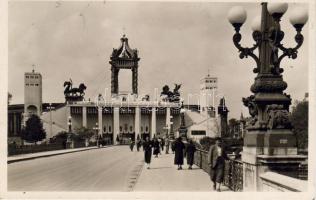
(116, 123)
(153, 122)
(100, 120)
(134, 80)
(84, 116)
(168, 120)
(137, 121)
(114, 80)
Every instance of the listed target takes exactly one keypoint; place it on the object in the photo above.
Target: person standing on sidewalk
(162, 144)
(190, 149)
(131, 145)
(173, 145)
(147, 147)
(138, 143)
(178, 156)
(216, 161)
(167, 145)
(156, 147)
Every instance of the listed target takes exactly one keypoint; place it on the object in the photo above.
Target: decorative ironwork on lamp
(237, 16)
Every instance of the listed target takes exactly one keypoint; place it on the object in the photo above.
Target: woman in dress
(147, 147)
(156, 147)
(178, 156)
(190, 149)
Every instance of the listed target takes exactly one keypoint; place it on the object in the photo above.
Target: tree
(33, 130)
(299, 119)
(84, 133)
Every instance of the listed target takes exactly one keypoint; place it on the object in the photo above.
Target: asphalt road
(106, 169)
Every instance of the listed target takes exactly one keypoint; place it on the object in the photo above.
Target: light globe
(299, 16)
(256, 23)
(237, 15)
(277, 8)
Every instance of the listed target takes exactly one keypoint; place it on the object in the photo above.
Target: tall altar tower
(208, 92)
(124, 58)
(32, 93)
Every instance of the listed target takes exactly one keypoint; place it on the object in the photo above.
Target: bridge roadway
(114, 168)
(105, 169)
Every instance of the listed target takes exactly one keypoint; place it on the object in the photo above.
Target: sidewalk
(29, 156)
(164, 176)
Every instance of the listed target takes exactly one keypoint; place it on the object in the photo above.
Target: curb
(54, 154)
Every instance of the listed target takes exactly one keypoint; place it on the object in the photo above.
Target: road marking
(135, 175)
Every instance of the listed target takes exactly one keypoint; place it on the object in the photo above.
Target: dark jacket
(147, 146)
(178, 148)
(156, 147)
(190, 149)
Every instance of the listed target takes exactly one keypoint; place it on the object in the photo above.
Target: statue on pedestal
(74, 94)
(169, 96)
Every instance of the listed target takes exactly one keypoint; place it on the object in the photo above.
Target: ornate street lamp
(69, 124)
(50, 107)
(269, 85)
(96, 128)
(269, 130)
(182, 129)
(69, 129)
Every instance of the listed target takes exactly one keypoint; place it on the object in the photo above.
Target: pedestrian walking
(173, 146)
(178, 156)
(190, 149)
(138, 144)
(167, 145)
(216, 161)
(162, 144)
(156, 147)
(131, 144)
(117, 139)
(147, 147)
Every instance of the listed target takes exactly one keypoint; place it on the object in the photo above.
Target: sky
(178, 42)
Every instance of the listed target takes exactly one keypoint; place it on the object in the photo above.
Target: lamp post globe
(299, 17)
(277, 10)
(237, 16)
(256, 23)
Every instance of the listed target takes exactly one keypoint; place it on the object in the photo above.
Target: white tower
(32, 93)
(208, 92)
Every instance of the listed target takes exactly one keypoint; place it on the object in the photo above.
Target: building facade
(124, 115)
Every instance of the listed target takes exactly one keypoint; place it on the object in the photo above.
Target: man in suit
(216, 161)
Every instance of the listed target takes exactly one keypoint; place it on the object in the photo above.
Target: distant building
(201, 120)
(32, 93)
(208, 93)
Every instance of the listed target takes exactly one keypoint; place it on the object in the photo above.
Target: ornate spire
(124, 51)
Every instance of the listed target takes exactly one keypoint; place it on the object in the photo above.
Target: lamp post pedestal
(269, 150)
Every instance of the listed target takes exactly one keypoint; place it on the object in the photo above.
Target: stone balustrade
(274, 182)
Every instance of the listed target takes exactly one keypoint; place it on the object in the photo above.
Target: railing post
(201, 160)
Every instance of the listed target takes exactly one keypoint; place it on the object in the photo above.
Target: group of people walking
(157, 146)
(216, 155)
